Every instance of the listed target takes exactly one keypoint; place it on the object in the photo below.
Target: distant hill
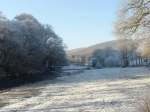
(88, 51)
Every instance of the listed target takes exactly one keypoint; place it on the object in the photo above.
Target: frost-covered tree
(56, 55)
(27, 46)
(99, 57)
(33, 43)
(107, 57)
(134, 22)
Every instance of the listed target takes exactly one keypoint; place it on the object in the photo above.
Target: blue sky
(79, 22)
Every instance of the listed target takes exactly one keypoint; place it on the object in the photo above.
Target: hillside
(87, 51)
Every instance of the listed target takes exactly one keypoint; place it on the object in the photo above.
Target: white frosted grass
(103, 90)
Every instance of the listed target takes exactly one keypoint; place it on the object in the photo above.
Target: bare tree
(133, 23)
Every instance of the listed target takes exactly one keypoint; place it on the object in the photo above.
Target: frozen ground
(103, 90)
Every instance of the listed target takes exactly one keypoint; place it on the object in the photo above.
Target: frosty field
(101, 90)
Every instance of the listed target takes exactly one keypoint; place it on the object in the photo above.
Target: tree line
(28, 47)
(119, 56)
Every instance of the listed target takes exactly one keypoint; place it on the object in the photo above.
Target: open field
(103, 90)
